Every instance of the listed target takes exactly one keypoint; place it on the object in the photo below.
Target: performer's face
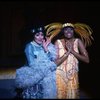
(39, 37)
(68, 32)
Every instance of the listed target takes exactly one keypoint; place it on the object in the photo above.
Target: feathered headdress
(83, 30)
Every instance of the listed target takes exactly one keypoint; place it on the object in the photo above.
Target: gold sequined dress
(67, 74)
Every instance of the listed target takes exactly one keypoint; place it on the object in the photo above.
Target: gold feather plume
(53, 29)
(85, 32)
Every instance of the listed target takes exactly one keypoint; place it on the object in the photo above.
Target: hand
(69, 46)
(46, 43)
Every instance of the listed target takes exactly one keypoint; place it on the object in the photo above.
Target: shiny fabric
(67, 74)
(38, 78)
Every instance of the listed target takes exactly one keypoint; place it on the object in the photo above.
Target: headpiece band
(68, 24)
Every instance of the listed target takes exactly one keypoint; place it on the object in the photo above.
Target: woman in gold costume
(70, 50)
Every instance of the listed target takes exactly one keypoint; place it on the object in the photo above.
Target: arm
(30, 55)
(36, 64)
(28, 75)
(50, 49)
(60, 60)
(52, 52)
(83, 55)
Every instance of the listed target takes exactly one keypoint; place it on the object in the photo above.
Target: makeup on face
(38, 38)
(68, 32)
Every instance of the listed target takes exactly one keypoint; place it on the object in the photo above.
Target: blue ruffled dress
(38, 78)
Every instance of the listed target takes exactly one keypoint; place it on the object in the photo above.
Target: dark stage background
(16, 17)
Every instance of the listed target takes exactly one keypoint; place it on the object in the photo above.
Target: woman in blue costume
(37, 78)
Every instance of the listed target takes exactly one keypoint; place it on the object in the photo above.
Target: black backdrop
(16, 17)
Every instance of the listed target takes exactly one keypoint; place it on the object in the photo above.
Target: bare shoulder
(62, 40)
(81, 43)
(79, 39)
(56, 42)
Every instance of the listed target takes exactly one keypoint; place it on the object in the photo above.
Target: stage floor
(7, 85)
(7, 73)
